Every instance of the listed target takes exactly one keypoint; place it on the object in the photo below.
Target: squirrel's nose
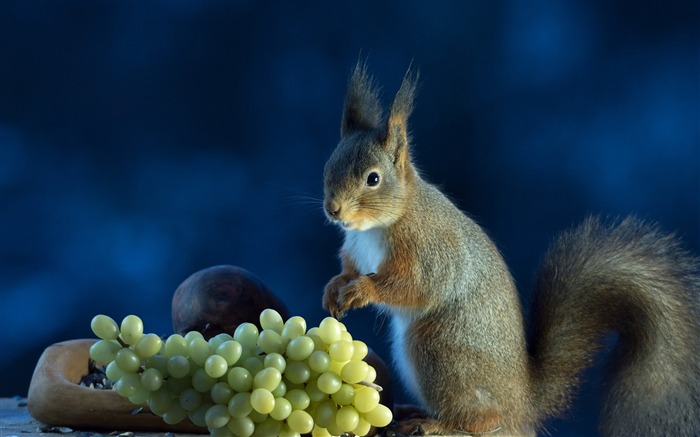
(333, 208)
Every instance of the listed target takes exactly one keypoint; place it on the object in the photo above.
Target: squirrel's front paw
(356, 294)
(341, 294)
(331, 294)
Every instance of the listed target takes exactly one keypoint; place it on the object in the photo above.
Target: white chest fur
(401, 321)
(366, 248)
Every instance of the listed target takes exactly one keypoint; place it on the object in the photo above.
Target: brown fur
(459, 334)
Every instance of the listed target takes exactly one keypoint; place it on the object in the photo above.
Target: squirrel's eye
(373, 179)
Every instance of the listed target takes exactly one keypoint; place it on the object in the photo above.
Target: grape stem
(121, 342)
(371, 384)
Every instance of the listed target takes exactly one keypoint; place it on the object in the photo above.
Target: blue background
(144, 140)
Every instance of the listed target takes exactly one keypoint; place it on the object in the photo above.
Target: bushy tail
(630, 278)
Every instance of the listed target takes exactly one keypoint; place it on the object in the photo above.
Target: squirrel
(460, 343)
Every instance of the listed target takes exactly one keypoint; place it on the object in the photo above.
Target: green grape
(354, 371)
(363, 428)
(268, 379)
(271, 342)
(199, 351)
(113, 371)
(191, 335)
(366, 399)
(190, 399)
(329, 330)
(247, 335)
(300, 421)
(221, 393)
(360, 350)
(152, 379)
(159, 363)
(240, 379)
(239, 405)
(201, 381)
(319, 361)
(217, 416)
(127, 360)
(231, 350)
(371, 374)
(281, 389)
(294, 327)
(241, 426)
(297, 372)
(286, 431)
(334, 429)
(148, 345)
(262, 400)
(104, 327)
(104, 351)
(300, 348)
(275, 360)
(178, 366)
(314, 393)
(176, 345)
(269, 427)
(345, 336)
(325, 412)
(298, 398)
(177, 385)
(258, 417)
(319, 345)
(271, 319)
(128, 385)
(329, 382)
(345, 395)
(341, 350)
(198, 416)
(336, 366)
(282, 409)
(140, 397)
(253, 364)
(347, 418)
(380, 416)
(159, 401)
(320, 432)
(224, 337)
(214, 342)
(175, 414)
(131, 329)
(216, 366)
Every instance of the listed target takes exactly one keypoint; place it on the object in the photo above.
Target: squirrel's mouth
(356, 225)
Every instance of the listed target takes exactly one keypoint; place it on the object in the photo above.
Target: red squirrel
(459, 337)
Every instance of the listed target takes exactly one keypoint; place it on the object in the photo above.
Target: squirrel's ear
(362, 110)
(396, 134)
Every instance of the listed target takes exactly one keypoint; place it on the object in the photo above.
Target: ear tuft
(402, 105)
(396, 128)
(362, 110)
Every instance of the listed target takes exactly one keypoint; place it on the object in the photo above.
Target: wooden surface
(15, 421)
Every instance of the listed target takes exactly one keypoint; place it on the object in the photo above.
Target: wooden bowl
(56, 397)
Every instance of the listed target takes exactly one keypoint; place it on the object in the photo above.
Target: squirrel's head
(369, 175)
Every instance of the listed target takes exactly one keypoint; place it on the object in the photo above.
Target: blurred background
(142, 141)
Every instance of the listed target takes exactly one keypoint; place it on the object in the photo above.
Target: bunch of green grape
(283, 380)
